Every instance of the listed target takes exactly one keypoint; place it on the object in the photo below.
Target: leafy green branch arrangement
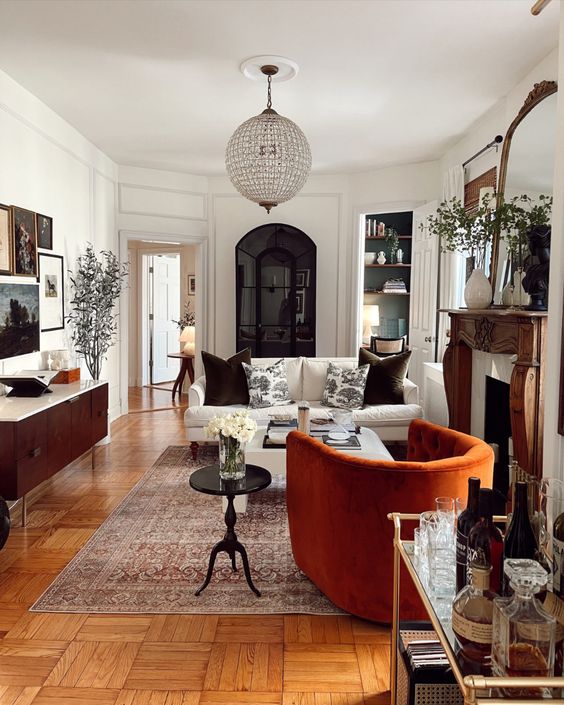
(188, 318)
(96, 286)
(465, 232)
(521, 215)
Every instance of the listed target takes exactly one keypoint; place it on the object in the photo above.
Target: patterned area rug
(151, 554)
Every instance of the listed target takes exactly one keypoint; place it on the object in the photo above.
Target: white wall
(320, 210)
(553, 442)
(46, 166)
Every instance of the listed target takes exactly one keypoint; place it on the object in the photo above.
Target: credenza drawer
(31, 436)
(31, 471)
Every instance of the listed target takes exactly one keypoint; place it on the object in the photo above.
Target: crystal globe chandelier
(268, 158)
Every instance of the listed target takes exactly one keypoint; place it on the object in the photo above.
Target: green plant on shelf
(391, 238)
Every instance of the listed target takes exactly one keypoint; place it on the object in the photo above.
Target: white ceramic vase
(381, 259)
(520, 296)
(478, 290)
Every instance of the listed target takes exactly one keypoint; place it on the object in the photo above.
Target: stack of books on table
(394, 286)
(277, 431)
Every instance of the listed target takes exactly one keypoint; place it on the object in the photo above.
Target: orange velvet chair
(338, 506)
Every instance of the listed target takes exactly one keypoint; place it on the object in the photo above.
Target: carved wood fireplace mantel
(520, 333)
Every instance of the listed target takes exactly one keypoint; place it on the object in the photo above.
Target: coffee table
(207, 480)
(274, 459)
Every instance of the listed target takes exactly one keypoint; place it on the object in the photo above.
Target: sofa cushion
(268, 386)
(387, 415)
(225, 379)
(344, 389)
(198, 416)
(293, 372)
(385, 377)
(314, 371)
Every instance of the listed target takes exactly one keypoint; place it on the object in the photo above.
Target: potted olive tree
(96, 285)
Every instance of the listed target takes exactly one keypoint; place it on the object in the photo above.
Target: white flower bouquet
(233, 431)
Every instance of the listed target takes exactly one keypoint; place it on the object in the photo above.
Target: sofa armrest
(410, 392)
(197, 392)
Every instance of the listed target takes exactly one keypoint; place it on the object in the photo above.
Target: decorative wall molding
(193, 204)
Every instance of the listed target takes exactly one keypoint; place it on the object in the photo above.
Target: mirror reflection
(530, 171)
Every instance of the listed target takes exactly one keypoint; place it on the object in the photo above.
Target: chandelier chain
(269, 94)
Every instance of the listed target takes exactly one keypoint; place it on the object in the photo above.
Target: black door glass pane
(276, 286)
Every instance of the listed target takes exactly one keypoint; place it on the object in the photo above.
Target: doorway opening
(161, 291)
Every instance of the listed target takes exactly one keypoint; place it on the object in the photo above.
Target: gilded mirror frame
(539, 92)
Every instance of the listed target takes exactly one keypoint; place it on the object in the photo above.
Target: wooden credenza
(40, 436)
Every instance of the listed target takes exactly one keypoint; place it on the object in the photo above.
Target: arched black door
(276, 283)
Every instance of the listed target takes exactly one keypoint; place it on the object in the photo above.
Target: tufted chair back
(338, 506)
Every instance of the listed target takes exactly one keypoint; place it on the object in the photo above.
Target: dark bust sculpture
(535, 281)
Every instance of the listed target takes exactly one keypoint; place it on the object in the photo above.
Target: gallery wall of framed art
(32, 285)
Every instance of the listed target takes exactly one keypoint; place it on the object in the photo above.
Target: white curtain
(452, 265)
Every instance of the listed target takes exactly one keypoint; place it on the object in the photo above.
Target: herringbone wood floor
(58, 659)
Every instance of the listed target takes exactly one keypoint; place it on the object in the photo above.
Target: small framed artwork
(300, 302)
(25, 242)
(302, 278)
(51, 292)
(191, 284)
(6, 248)
(44, 226)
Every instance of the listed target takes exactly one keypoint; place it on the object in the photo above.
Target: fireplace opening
(497, 429)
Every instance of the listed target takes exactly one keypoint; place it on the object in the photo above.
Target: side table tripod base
(231, 546)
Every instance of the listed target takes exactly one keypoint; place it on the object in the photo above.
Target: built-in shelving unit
(393, 305)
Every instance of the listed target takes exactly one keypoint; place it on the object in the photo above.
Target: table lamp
(370, 318)
(188, 337)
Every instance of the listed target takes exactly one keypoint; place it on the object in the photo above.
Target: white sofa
(306, 381)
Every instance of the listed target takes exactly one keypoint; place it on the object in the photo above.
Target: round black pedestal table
(208, 481)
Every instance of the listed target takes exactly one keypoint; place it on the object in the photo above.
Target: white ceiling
(156, 83)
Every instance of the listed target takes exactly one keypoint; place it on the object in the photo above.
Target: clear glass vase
(231, 458)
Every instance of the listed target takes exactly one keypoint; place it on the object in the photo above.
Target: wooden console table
(41, 435)
(520, 333)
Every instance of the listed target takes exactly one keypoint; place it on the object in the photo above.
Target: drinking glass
(441, 556)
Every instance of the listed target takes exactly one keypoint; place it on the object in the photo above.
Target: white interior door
(423, 299)
(165, 307)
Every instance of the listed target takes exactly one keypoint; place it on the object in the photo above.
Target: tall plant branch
(96, 286)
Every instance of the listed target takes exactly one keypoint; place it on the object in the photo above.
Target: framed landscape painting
(6, 250)
(51, 292)
(19, 319)
(44, 226)
(25, 242)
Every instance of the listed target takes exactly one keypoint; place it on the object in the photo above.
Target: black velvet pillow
(385, 377)
(226, 382)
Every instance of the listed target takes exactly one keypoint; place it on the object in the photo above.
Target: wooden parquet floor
(76, 659)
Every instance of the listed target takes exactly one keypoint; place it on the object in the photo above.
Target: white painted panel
(166, 203)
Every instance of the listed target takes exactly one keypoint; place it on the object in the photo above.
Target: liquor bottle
(466, 521)
(558, 553)
(520, 540)
(485, 542)
(472, 615)
(523, 632)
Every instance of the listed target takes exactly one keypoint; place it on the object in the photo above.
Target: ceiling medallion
(268, 158)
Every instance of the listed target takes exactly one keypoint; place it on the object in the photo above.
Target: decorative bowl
(369, 257)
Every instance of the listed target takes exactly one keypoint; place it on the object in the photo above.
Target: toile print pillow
(268, 386)
(344, 389)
